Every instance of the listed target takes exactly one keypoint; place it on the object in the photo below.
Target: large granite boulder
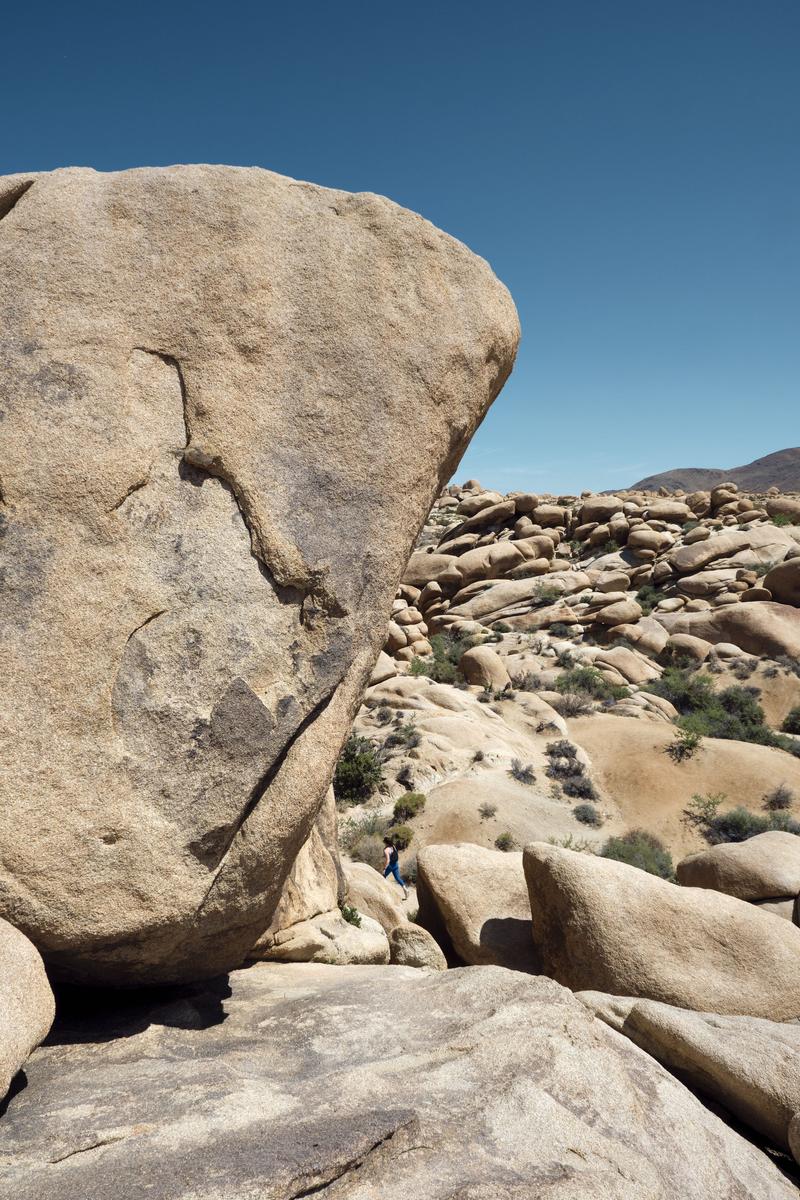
(761, 868)
(750, 1066)
(475, 903)
(601, 925)
(229, 400)
(27, 1006)
(755, 626)
(358, 1082)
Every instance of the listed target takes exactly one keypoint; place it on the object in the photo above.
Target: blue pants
(393, 869)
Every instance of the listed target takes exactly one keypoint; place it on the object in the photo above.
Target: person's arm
(387, 856)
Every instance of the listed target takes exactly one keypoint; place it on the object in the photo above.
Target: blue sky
(630, 169)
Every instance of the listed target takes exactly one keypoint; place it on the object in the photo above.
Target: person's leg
(399, 878)
(387, 871)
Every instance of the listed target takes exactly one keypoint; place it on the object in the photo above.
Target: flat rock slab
(355, 1082)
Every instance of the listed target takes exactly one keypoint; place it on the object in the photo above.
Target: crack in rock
(11, 198)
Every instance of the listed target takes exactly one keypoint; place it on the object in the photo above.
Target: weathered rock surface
(26, 1002)
(762, 867)
(373, 895)
(758, 627)
(412, 946)
(750, 1066)
(362, 1082)
(325, 938)
(601, 925)
(211, 377)
(476, 900)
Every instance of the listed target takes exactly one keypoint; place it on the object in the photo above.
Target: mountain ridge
(780, 469)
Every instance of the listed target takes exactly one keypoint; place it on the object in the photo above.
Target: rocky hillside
(780, 469)
(577, 667)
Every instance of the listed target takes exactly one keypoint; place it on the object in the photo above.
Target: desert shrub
(743, 667)
(383, 715)
(647, 597)
(358, 772)
(565, 658)
(589, 680)
(563, 748)
(487, 811)
(522, 772)
(780, 798)
(405, 734)
(791, 722)
(401, 835)
(684, 746)
(781, 519)
(501, 627)
(369, 849)
(478, 756)
(353, 829)
(574, 704)
(531, 681)
(505, 841)
(640, 849)
(442, 665)
(733, 714)
(570, 842)
(560, 629)
(792, 665)
(545, 594)
(737, 824)
(409, 806)
(587, 814)
(351, 915)
(578, 787)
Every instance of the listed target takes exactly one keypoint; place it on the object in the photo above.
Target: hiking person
(391, 860)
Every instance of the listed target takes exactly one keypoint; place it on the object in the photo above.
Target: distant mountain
(781, 470)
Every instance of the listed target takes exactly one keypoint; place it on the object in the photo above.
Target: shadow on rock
(103, 1014)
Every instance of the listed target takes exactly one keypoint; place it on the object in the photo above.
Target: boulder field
(217, 382)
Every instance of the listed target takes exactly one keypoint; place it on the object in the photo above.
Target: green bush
(351, 915)
(408, 806)
(737, 824)
(686, 744)
(640, 849)
(442, 665)
(782, 519)
(588, 680)
(647, 597)
(791, 722)
(560, 629)
(358, 772)
(733, 714)
(505, 842)
(401, 835)
(587, 814)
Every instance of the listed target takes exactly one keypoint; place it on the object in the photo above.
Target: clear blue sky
(630, 169)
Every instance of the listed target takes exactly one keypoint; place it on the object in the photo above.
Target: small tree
(358, 772)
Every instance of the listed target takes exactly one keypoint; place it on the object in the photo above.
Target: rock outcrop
(481, 1083)
(601, 925)
(474, 901)
(750, 1066)
(217, 382)
(761, 868)
(27, 1006)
